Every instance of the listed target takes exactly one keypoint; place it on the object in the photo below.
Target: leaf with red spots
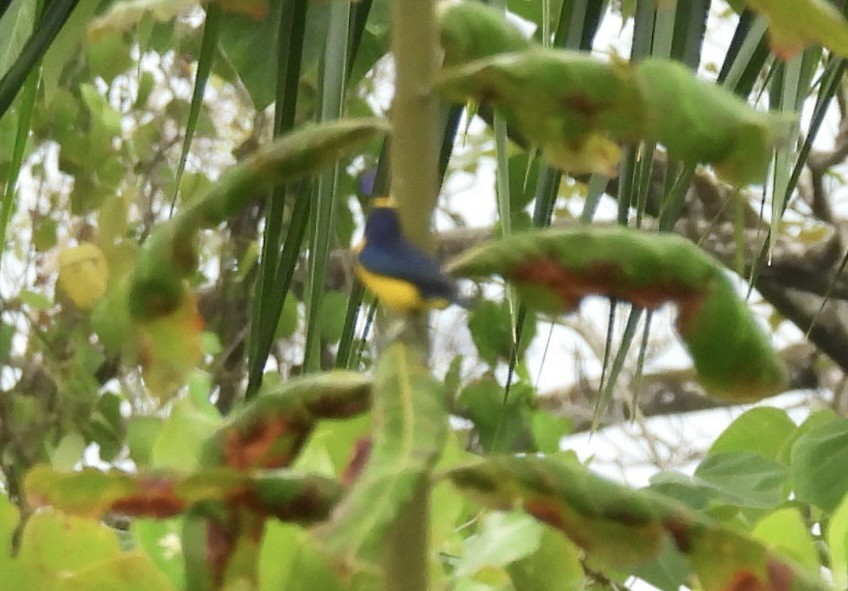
(555, 269)
(88, 493)
(621, 527)
(269, 432)
(725, 560)
(578, 108)
(282, 494)
(628, 529)
(408, 434)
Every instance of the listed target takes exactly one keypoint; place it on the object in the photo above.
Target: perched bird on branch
(400, 274)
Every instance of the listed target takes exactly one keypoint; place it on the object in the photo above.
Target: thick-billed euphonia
(400, 274)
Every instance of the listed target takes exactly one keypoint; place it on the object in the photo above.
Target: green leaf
(332, 441)
(65, 48)
(408, 434)
(333, 309)
(68, 452)
(671, 570)
(496, 424)
(289, 318)
(290, 561)
(9, 518)
(35, 300)
(491, 331)
(107, 427)
(104, 117)
(15, 27)
(65, 553)
(819, 465)
(8, 135)
(44, 236)
(692, 492)
(763, 430)
(110, 320)
(159, 539)
(108, 56)
(87, 195)
(181, 437)
(548, 430)
(746, 479)
(142, 433)
(246, 42)
(555, 566)
(554, 269)
(503, 538)
(837, 541)
(132, 571)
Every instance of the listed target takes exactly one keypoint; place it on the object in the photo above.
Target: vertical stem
(414, 172)
(407, 545)
(415, 116)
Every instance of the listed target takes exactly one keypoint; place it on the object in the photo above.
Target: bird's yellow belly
(397, 294)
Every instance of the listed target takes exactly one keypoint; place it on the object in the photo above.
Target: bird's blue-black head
(383, 223)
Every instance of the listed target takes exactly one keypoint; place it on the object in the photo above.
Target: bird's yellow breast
(396, 293)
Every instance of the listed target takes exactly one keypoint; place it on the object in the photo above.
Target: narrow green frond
(208, 49)
(746, 55)
(612, 373)
(10, 194)
(333, 76)
(276, 268)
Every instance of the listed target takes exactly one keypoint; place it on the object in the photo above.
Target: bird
(401, 275)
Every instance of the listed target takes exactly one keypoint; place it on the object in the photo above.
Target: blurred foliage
(161, 165)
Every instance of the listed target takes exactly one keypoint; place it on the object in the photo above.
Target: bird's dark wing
(404, 261)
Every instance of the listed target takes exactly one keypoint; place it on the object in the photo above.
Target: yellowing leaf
(594, 154)
(83, 274)
(785, 532)
(795, 24)
(171, 347)
(837, 539)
